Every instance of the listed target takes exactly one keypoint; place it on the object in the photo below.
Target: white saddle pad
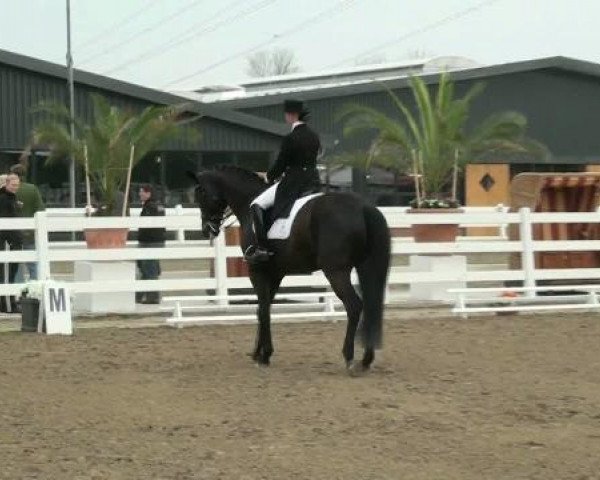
(280, 230)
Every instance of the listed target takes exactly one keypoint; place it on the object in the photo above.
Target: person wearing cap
(293, 173)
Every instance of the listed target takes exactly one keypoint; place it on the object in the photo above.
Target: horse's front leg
(265, 288)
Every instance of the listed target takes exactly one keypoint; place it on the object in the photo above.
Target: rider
(296, 166)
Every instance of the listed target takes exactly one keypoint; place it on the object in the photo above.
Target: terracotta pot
(435, 233)
(106, 237)
(236, 267)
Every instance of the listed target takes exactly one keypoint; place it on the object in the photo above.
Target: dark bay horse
(333, 233)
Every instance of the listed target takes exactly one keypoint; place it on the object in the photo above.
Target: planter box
(106, 237)
(437, 291)
(423, 233)
(105, 302)
(30, 309)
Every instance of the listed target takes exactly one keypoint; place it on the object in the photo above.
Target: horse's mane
(241, 171)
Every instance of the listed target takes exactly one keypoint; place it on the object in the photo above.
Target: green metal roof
(148, 94)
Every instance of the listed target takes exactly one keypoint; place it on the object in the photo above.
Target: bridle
(216, 221)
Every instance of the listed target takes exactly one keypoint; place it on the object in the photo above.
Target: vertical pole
(72, 189)
(163, 173)
(416, 177)
(221, 268)
(455, 175)
(88, 190)
(527, 253)
(128, 182)
(41, 245)
(422, 169)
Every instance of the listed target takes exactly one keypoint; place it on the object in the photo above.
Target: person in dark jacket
(10, 239)
(296, 170)
(150, 238)
(31, 198)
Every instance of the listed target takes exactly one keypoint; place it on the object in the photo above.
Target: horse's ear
(193, 176)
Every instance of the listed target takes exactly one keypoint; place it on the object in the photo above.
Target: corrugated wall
(21, 90)
(562, 109)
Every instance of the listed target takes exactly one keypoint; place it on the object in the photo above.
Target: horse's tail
(372, 275)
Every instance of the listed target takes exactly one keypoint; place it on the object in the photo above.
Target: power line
(321, 16)
(183, 38)
(119, 24)
(160, 23)
(418, 31)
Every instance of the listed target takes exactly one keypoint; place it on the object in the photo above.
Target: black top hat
(295, 106)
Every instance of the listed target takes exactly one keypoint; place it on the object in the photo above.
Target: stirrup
(257, 254)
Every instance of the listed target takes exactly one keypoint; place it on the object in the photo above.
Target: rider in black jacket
(296, 166)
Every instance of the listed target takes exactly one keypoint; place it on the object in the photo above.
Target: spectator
(150, 238)
(9, 207)
(31, 199)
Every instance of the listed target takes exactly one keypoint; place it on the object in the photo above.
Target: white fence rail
(47, 253)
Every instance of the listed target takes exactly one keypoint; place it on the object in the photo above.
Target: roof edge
(145, 93)
(556, 62)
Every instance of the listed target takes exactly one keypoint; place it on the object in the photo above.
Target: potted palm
(108, 148)
(30, 300)
(435, 143)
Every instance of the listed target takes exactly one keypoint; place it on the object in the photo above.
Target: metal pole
(71, 104)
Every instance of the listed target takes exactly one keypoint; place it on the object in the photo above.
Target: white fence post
(527, 254)
(221, 268)
(41, 245)
(181, 231)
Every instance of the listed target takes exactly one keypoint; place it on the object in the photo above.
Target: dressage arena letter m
(58, 302)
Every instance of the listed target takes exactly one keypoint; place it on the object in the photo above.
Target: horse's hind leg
(342, 286)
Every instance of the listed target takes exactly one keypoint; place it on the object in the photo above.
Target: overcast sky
(177, 44)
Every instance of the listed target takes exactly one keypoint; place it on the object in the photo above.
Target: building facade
(559, 96)
(225, 136)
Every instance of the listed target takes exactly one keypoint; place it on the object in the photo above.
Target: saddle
(279, 211)
(281, 227)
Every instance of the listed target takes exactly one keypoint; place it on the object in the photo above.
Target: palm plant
(108, 141)
(434, 142)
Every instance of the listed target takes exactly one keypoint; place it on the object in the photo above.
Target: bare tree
(418, 54)
(371, 60)
(259, 64)
(279, 61)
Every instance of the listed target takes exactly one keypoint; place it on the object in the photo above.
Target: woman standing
(9, 239)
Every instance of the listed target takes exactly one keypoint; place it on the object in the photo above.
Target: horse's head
(212, 204)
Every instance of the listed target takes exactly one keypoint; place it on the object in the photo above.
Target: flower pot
(424, 233)
(30, 310)
(236, 266)
(106, 237)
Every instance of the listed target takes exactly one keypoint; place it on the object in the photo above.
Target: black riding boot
(258, 252)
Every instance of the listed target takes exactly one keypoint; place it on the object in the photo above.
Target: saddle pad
(281, 228)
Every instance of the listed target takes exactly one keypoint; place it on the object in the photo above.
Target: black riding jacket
(297, 163)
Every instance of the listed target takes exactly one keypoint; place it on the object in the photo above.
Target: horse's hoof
(356, 369)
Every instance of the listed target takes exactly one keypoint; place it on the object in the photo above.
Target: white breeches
(267, 198)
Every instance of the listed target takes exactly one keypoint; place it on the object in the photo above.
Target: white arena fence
(47, 254)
